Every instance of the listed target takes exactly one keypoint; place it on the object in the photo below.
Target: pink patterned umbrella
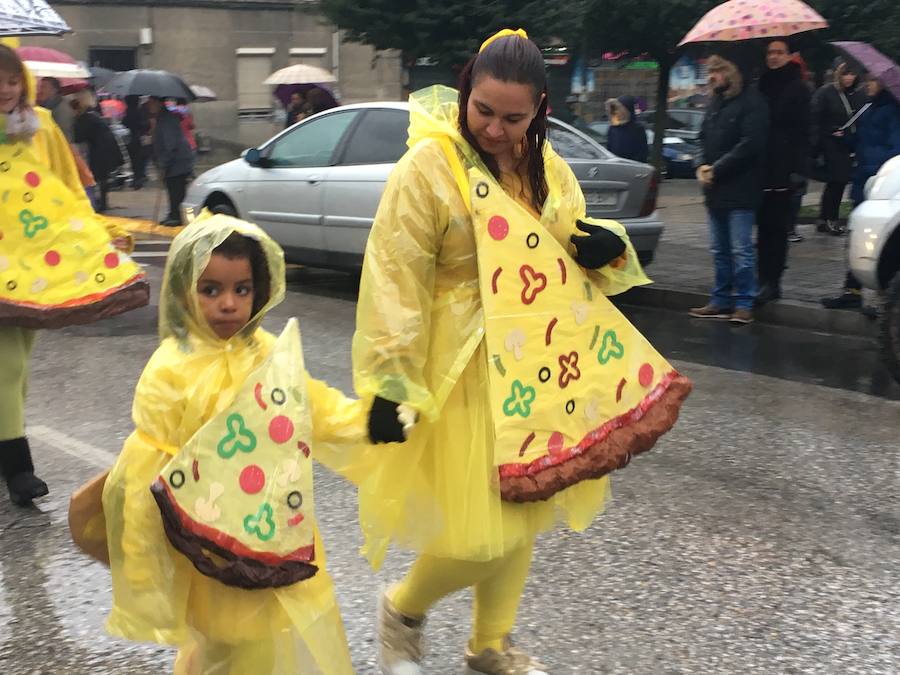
(747, 19)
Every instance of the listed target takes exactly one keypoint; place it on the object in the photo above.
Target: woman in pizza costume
(211, 530)
(59, 264)
(483, 307)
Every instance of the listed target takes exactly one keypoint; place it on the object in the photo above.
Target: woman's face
(499, 113)
(11, 88)
(847, 80)
(873, 87)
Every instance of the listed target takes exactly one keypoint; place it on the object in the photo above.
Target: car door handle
(313, 180)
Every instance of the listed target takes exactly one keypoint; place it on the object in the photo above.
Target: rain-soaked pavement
(762, 536)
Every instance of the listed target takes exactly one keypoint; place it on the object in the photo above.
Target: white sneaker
(510, 661)
(400, 643)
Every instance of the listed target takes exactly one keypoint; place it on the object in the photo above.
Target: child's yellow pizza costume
(528, 381)
(223, 434)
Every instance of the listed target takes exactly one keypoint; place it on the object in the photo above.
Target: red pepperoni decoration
(252, 479)
(52, 258)
(556, 442)
(645, 375)
(498, 228)
(111, 260)
(296, 520)
(281, 429)
(32, 179)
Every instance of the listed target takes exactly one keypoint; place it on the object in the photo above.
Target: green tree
(448, 31)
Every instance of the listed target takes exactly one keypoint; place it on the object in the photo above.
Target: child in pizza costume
(210, 524)
(59, 263)
(483, 306)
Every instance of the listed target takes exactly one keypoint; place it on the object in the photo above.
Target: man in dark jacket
(627, 137)
(103, 154)
(786, 159)
(174, 157)
(732, 160)
(49, 96)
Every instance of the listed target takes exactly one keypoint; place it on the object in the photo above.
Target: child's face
(11, 87)
(225, 290)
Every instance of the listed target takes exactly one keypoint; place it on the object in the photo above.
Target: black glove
(600, 247)
(384, 423)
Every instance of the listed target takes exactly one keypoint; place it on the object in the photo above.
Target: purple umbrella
(874, 62)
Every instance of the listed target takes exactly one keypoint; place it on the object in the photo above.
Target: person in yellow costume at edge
(22, 121)
(419, 341)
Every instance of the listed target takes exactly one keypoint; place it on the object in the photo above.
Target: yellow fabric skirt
(437, 493)
(158, 595)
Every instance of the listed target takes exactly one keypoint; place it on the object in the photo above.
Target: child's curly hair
(237, 247)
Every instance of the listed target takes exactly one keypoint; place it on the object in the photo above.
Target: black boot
(767, 293)
(18, 470)
(849, 299)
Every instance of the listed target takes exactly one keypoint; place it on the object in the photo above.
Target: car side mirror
(252, 157)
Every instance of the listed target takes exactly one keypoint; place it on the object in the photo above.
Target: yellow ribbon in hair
(501, 34)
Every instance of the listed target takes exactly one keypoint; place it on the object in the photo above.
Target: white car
(875, 252)
(315, 187)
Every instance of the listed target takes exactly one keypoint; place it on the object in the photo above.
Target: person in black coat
(732, 161)
(103, 153)
(627, 137)
(832, 107)
(787, 152)
(137, 121)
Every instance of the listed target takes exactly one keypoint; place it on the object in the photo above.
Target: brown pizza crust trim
(230, 569)
(613, 452)
(124, 299)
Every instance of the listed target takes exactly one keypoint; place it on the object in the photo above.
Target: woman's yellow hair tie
(501, 34)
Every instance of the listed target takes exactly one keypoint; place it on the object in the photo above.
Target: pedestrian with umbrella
(174, 157)
(877, 139)
(49, 96)
(137, 121)
(171, 150)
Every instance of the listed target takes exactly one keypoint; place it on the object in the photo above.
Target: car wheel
(225, 207)
(890, 328)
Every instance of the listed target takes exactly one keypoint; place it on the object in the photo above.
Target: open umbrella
(300, 74)
(203, 94)
(873, 62)
(45, 62)
(100, 76)
(30, 17)
(159, 83)
(748, 19)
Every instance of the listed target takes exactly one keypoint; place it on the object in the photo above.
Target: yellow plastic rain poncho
(421, 340)
(57, 262)
(195, 381)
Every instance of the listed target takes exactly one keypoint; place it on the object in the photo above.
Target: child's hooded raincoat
(424, 338)
(158, 595)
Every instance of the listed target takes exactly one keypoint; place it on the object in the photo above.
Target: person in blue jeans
(732, 162)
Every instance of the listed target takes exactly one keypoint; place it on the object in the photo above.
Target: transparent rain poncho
(194, 382)
(421, 340)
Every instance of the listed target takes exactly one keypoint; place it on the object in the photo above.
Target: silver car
(315, 187)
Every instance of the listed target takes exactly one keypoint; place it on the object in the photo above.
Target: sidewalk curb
(787, 313)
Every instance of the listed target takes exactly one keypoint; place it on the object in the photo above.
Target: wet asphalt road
(762, 536)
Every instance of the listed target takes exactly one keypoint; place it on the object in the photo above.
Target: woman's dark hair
(238, 247)
(511, 59)
(11, 63)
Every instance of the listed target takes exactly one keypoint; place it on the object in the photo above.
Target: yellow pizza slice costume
(58, 266)
(421, 340)
(575, 389)
(188, 396)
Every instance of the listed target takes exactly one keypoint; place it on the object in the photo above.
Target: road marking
(72, 446)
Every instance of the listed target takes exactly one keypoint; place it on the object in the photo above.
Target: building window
(254, 65)
(119, 59)
(310, 56)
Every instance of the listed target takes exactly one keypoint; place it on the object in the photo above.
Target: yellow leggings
(15, 352)
(498, 586)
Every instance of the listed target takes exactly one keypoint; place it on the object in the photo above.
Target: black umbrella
(159, 83)
(100, 77)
